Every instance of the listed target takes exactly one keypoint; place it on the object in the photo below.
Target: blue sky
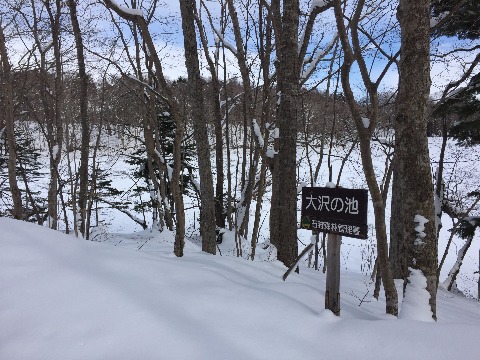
(166, 27)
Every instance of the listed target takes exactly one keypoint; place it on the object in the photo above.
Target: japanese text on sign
(335, 210)
(335, 204)
(336, 228)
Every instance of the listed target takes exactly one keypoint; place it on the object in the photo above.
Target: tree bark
(17, 210)
(248, 179)
(453, 273)
(56, 128)
(85, 142)
(412, 169)
(207, 211)
(217, 115)
(354, 53)
(283, 234)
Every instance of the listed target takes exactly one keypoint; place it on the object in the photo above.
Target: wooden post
(332, 292)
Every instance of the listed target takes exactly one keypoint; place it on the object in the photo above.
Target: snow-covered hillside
(65, 298)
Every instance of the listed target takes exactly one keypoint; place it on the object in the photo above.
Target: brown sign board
(335, 210)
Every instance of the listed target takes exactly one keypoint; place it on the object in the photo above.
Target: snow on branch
(318, 56)
(229, 46)
(146, 86)
(124, 9)
(300, 188)
(436, 19)
(168, 167)
(319, 4)
(122, 208)
(258, 133)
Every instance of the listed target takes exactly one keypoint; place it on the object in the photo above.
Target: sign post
(337, 212)
(332, 291)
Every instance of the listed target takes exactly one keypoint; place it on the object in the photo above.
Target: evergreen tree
(28, 169)
(463, 23)
(464, 103)
(166, 128)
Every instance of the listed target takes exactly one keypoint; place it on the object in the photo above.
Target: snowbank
(65, 298)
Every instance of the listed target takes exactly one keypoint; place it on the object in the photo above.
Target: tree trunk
(219, 210)
(354, 53)
(453, 273)
(284, 197)
(56, 135)
(85, 142)
(412, 169)
(398, 253)
(17, 211)
(248, 179)
(207, 214)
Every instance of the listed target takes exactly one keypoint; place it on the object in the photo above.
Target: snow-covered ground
(124, 295)
(65, 298)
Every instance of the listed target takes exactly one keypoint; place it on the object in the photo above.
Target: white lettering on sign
(334, 227)
(352, 206)
(336, 204)
(310, 202)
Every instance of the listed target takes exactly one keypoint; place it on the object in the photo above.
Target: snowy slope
(64, 298)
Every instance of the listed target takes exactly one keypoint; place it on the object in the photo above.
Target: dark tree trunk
(17, 211)
(56, 127)
(354, 53)
(247, 179)
(398, 253)
(412, 169)
(283, 233)
(85, 142)
(207, 212)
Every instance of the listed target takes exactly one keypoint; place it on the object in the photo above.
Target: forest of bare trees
(265, 77)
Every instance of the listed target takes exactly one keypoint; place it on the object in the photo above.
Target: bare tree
(216, 96)
(17, 210)
(136, 17)
(85, 145)
(207, 212)
(365, 125)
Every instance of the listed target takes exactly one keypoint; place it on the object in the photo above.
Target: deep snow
(65, 298)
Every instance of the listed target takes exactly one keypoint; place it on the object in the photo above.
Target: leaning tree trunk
(453, 273)
(84, 148)
(284, 199)
(412, 169)
(17, 211)
(207, 197)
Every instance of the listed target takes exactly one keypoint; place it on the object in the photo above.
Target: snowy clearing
(65, 298)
